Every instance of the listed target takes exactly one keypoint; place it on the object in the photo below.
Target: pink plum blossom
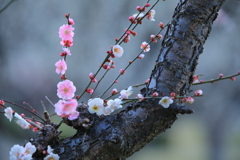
(66, 32)
(114, 91)
(66, 89)
(66, 43)
(67, 51)
(198, 93)
(67, 109)
(90, 91)
(190, 100)
(61, 66)
(71, 21)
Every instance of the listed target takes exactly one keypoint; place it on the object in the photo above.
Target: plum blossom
(198, 93)
(52, 157)
(107, 110)
(126, 93)
(67, 51)
(190, 100)
(61, 66)
(67, 109)
(114, 91)
(30, 149)
(117, 51)
(16, 152)
(22, 122)
(145, 46)
(141, 56)
(96, 106)
(71, 21)
(1, 103)
(139, 16)
(66, 43)
(66, 89)
(8, 113)
(115, 104)
(151, 15)
(66, 32)
(165, 102)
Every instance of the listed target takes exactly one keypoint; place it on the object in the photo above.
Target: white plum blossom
(115, 104)
(117, 51)
(8, 113)
(108, 110)
(139, 16)
(165, 102)
(96, 106)
(145, 46)
(151, 15)
(29, 148)
(126, 93)
(21, 122)
(16, 152)
(52, 157)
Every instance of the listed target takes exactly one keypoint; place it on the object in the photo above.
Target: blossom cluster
(18, 152)
(101, 107)
(66, 106)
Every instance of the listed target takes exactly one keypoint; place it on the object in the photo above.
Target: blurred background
(29, 48)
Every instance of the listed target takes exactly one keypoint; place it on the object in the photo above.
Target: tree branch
(118, 136)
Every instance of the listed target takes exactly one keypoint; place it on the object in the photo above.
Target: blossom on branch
(67, 109)
(22, 122)
(96, 106)
(117, 51)
(66, 32)
(115, 104)
(61, 66)
(66, 89)
(165, 102)
(126, 93)
(145, 46)
(8, 113)
(151, 15)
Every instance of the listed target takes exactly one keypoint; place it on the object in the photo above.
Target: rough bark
(118, 136)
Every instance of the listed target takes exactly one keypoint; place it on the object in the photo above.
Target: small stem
(6, 6)
(133, 99)
(217, 79)
(100, 81)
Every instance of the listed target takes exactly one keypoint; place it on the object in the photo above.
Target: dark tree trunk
(118, 136)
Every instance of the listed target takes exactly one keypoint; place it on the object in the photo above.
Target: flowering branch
(220, 77)
(130, 62)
